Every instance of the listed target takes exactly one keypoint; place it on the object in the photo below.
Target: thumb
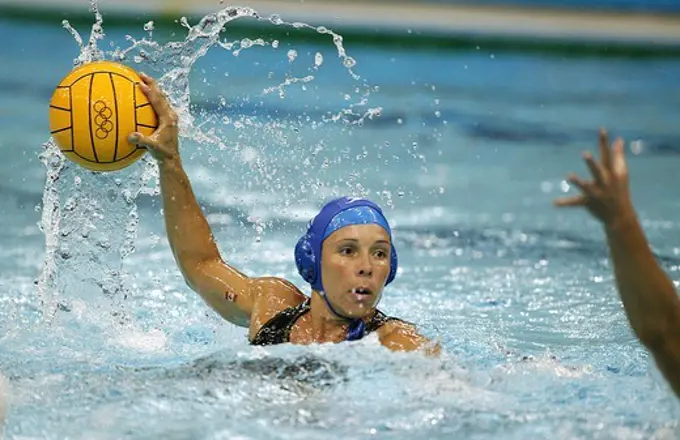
(143, 141)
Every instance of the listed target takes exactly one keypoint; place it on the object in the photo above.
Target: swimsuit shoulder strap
(277, 329)
(379, 319)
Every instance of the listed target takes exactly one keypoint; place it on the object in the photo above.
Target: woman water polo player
(347, 256)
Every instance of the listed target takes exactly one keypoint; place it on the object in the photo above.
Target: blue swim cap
(358, 215)
(335, 215)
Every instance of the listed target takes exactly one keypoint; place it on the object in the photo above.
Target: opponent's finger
(619, 166)
(571, 201)
(605, 150)
(596, 170)
(581, 184)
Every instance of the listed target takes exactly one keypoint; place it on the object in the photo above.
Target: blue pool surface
(100, 338)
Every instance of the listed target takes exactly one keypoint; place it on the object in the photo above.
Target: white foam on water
(150, 341)
(3, 403)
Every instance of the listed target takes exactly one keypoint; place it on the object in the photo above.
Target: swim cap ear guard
(308, 248)
(304, 257)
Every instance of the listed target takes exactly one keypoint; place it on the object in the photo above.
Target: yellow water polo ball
(94, 110)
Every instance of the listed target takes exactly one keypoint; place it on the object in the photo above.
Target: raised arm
(229, 292)
(647, 293)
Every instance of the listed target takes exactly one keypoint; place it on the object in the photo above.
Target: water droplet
(70, 204)
(111, 195)
(127, 196)
(292, 54)
(637, 147)
(55, 161)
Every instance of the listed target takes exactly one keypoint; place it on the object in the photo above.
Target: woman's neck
(326, 325)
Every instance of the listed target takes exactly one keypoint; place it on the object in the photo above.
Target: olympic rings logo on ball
(103, 119)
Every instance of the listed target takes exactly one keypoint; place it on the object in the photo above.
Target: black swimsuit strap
(277, 329)
(378, 320)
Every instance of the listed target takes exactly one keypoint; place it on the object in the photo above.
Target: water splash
(178, 58)
(49, 225)
(91, 51)
(90, 220)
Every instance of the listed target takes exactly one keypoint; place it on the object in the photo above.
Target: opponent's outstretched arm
(648, 295)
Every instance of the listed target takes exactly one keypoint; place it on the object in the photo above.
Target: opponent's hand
(607, 196)
(163, 144)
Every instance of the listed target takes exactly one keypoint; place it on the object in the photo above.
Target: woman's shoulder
(390, 324)
(278, 291)
(272, 296)
(399, 335)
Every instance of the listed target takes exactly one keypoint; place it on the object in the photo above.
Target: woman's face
(355, 264)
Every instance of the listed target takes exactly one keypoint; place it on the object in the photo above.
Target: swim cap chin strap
(357, 328)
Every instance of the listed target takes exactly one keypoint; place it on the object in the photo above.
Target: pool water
(100, 338)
